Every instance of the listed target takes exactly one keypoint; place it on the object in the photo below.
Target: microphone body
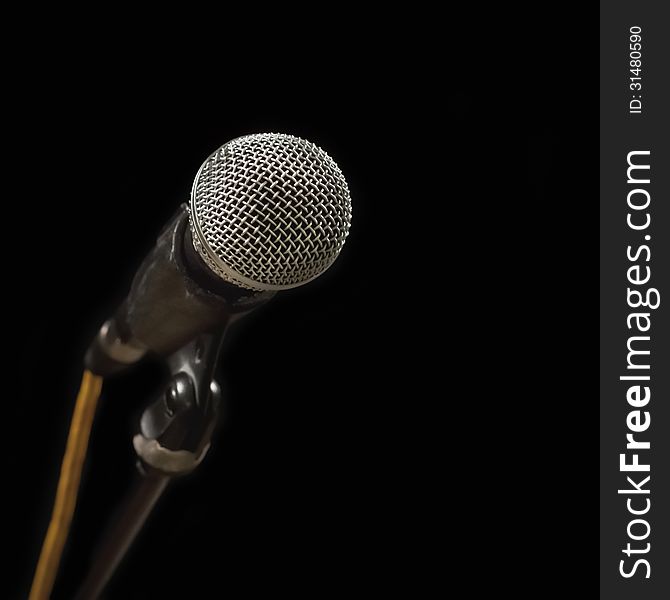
(173, 298)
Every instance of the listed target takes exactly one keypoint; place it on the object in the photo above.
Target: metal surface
(269, 211)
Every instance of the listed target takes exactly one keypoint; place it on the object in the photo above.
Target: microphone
(267, 212)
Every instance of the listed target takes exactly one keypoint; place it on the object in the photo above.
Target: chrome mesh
(269, 211)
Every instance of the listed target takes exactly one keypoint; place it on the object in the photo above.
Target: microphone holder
(174, 436)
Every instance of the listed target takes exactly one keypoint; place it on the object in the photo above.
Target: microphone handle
(173, 298)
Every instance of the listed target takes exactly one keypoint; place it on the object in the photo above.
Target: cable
(68, 485)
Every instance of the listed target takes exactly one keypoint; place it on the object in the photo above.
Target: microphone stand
(175, 432)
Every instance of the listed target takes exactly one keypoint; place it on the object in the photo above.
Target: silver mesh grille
(269, 211)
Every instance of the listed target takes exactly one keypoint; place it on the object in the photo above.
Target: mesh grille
(269, 211)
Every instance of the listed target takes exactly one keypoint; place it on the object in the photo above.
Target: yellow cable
(68, 485)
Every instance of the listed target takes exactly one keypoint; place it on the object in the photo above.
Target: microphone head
(269, 211)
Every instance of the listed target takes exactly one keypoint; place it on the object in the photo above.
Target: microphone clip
(175, 429)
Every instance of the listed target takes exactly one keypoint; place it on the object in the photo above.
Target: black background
(394, 425)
